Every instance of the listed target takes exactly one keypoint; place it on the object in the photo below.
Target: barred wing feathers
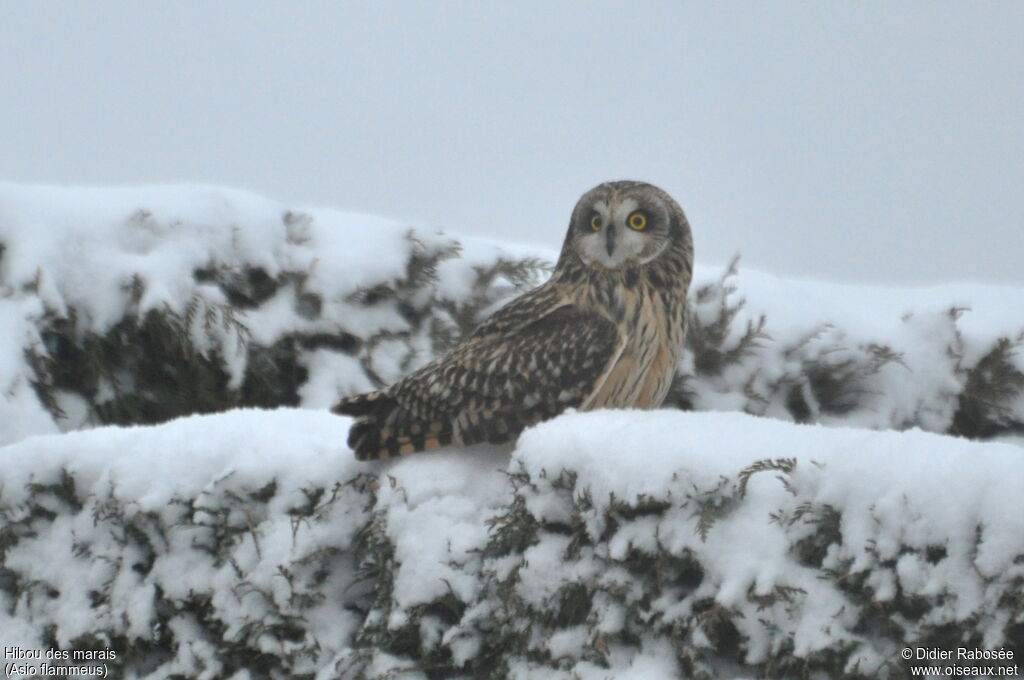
(516, 370)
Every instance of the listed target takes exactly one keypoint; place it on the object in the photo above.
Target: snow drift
(663, 544)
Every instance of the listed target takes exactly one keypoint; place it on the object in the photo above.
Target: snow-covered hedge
(663, 544)
(140, 305)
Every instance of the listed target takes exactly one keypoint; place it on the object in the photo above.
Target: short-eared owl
(605, 331)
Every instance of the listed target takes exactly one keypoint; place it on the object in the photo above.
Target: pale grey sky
(868, 141)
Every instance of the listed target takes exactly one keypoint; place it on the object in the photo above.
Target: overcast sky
(868, 141)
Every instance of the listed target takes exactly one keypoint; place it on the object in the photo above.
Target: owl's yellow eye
(595, 222)
(637, 221)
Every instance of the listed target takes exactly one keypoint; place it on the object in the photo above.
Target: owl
(604, 331)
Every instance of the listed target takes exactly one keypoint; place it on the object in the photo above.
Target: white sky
(872, 141)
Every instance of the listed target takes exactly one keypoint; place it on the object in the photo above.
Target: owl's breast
(652, 327)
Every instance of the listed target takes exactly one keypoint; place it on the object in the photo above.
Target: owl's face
(622, 224)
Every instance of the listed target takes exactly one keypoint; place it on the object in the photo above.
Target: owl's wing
(508, 375)
(525, 310)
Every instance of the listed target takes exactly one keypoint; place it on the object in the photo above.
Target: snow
(442, 496)
(931, 336)
(886, 486)
(436, 508)
(108, 254)
(82, 246)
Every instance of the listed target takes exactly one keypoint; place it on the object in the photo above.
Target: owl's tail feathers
(376, 403)
(369, 410)
(384, 430)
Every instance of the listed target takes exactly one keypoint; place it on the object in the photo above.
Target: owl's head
(624, 224)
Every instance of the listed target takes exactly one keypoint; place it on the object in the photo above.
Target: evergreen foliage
(160, 364)
(153, 366)
(567, 579)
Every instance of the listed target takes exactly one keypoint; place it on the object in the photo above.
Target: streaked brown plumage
(605, 331)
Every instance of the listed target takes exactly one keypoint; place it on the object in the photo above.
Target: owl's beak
(609, 236)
